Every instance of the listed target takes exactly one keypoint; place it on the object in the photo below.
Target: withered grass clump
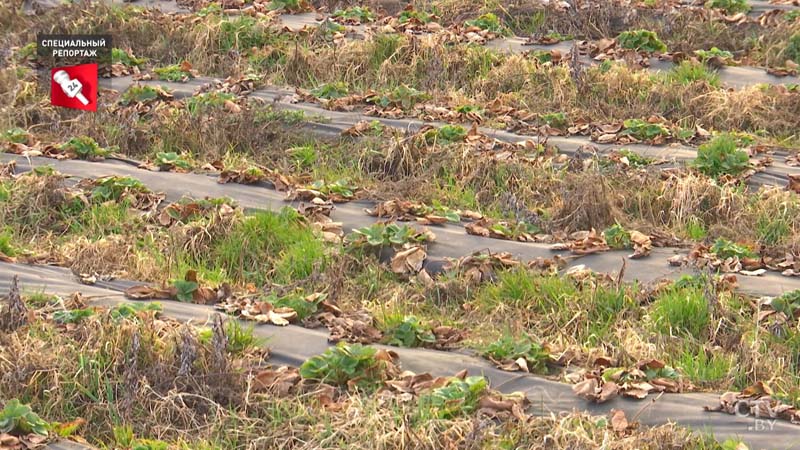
(150, 378)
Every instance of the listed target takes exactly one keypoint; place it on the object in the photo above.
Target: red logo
(74, 87)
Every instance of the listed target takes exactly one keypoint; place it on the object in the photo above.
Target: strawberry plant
(714, 52)
(400, 97)
(20, 419)
(85, 147)
(447, 134)
(72, 315)
(721, 156)
(457, 398)
(381, 235)
(169, 160)
(15, 136)
(412, 15)
(346, 362)
(407, 331)
(113, 187)
(488, 22)
(357, 14)
(724, 248)
(617, 237)
(729, 6)
(641, 40)
(341, 188)
(644, 130)
(330, 91)
(508, 348)
(132, 310)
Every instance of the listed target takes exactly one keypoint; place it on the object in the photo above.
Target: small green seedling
(132, 310)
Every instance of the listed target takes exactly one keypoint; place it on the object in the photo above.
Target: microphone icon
(70, 87)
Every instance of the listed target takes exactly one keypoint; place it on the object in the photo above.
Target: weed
(724, 248)
(556, 120)
(407, 331)
(345, 362)
(287, 5)
(729, 6)
(173, 72)
(304, 156)
(7, 247)
(644, 130)
(85, 147)
(703, 366)
(18, 418)
(696, 229)
(508, 348)
(681, 310)
(458, 397)
(720, 157)
(787, 303)
(634, 159)
(688, 72)
(360, 14)
(203, 102)
(292, 248)
(641, 40)
(242, 34)
(140, 94)
(119, 56)
(793, 48)
(185, 290)
(488, 22)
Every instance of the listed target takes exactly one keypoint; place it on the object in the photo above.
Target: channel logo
(74, 87)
